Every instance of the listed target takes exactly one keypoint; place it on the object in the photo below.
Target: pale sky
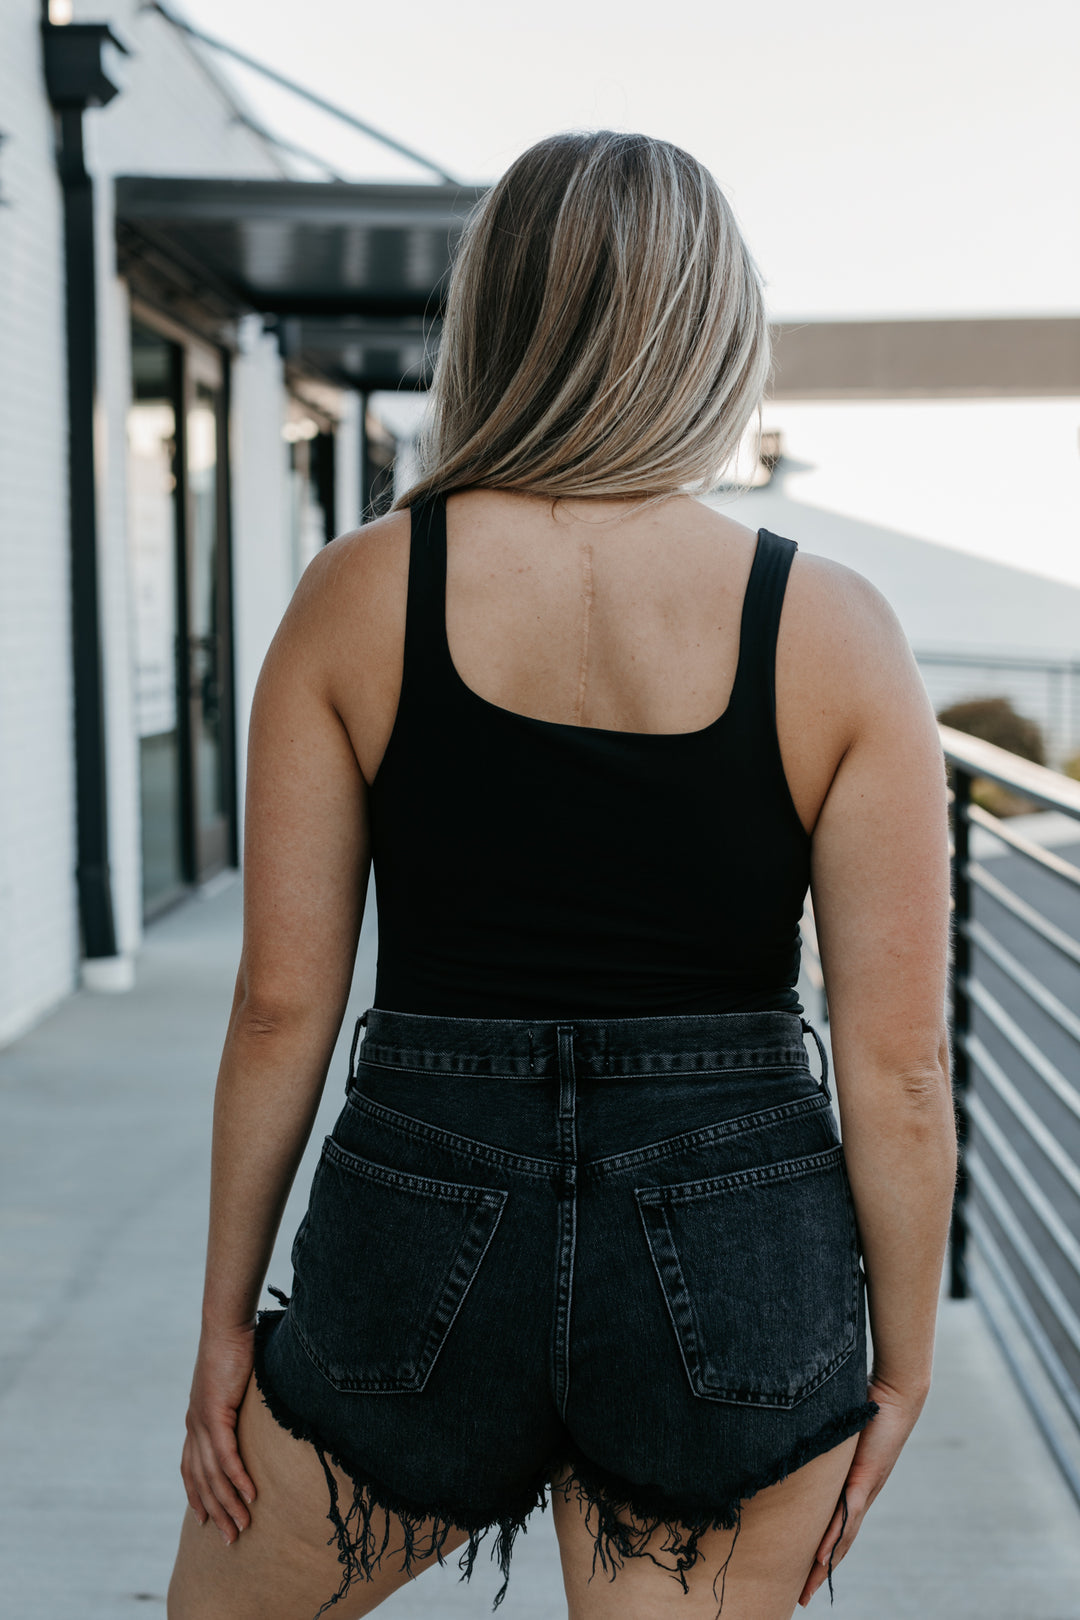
(916, 160)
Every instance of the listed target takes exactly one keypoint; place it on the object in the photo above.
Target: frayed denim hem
(356, 1546)
(684, 1521)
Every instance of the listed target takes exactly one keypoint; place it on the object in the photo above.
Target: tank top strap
(427, 670)
(754, 693)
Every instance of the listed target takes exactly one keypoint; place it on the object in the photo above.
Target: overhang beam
(955, 358)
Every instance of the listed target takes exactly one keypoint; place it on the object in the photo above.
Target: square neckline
(741, 662)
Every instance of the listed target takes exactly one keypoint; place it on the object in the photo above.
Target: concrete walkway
(104, 1152)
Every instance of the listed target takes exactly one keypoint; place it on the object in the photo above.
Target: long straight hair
(605, 330)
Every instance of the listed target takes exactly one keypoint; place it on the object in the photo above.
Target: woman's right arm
(880, 887)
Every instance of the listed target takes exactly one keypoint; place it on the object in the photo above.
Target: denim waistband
(524, 1048)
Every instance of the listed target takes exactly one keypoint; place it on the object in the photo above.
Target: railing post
(960, 1022)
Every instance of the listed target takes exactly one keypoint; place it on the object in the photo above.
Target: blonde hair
(605, 331)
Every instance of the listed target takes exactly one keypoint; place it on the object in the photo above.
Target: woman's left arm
(306, 864)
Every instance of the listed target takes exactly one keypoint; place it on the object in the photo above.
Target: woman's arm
(880, 886)
(306, 862)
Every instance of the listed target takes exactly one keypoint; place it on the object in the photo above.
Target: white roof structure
(947, 600)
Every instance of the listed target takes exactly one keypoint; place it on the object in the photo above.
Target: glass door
(154, 561)
(178, 539)
(207, 611)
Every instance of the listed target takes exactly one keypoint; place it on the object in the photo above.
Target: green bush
(994, 720)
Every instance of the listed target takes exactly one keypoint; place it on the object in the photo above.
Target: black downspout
(92, 870)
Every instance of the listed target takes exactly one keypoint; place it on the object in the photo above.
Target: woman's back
(595, 750)
(580, 803)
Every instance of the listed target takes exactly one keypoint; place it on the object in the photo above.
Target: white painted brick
(38, 912)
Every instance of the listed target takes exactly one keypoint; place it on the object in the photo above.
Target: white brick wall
(38, 912)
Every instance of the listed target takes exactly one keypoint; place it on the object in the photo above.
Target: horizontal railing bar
(996, 660)
(1057, 937)
(1036, 1332)
(1022, 1044)
(1024, 846)
(1056, 1302)
(1033, 987)
(1040, 1343)
(1022, 1111)
(1036, 782)
(1025, 1182)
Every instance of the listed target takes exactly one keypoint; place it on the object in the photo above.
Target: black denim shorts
(624, 1245)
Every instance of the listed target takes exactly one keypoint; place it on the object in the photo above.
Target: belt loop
(808, 1028)
(564, 1044)
(360, 1023)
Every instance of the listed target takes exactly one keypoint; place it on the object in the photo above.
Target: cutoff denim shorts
(626, 1245)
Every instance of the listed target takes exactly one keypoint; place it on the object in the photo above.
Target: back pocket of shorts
(760, 1272)
(386, 1261)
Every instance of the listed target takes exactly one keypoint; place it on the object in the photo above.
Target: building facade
(217, 475)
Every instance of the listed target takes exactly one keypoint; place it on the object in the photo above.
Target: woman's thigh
(284, 1566)
(780, 1532)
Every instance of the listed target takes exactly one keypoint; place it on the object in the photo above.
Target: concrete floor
(104, 1156)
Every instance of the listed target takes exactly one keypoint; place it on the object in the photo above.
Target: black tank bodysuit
(529, 868)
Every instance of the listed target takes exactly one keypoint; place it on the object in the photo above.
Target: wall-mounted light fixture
(83, 66)
(772, 448)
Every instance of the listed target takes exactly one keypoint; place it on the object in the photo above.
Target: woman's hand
(880, 1443)
(214, 1475)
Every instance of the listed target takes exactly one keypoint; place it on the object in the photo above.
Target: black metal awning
(356, 272)
(356, 275)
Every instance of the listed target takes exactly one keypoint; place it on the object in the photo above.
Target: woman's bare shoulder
(363, 557)
(351, 595)
(844, 668)
(842, 613)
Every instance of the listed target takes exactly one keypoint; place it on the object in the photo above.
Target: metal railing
(1014, 989)
(1015, 983)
